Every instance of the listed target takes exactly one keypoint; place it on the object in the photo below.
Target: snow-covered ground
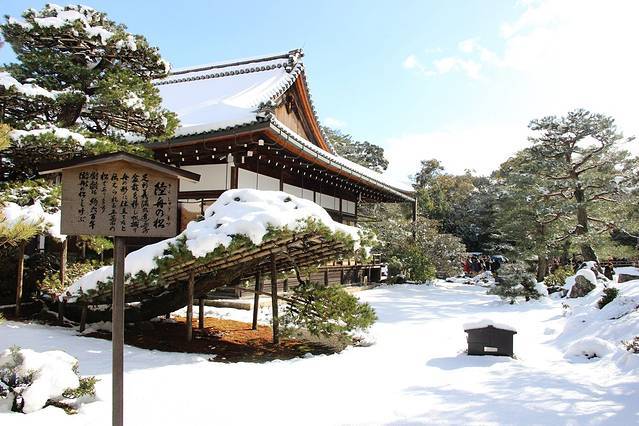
(415, 373)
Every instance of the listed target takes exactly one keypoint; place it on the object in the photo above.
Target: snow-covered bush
(31, 380)
(327, 311)
(608, 296)
(632, 345)
(590, 347)
(515, 281)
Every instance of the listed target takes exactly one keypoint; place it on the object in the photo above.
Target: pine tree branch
(602, 196)
(594, 166)
(588, 157)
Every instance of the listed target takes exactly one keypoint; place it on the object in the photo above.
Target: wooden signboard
(119, 195)
(118, 199)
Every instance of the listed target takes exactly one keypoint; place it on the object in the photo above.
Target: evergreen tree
(515, 281)
(529, 222)
(418, 250)
(579, 168)
(363, 153)
(463, 204)
(81, 85)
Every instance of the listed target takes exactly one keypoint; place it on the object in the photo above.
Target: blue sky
(455, 80)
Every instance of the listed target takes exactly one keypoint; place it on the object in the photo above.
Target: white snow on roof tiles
(345, 163)
(216, 96)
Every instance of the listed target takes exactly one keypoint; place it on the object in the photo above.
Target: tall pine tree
(578, 175)
(82, 84)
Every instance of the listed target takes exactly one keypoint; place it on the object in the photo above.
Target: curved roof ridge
(243, 66)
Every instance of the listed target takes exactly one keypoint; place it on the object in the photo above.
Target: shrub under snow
(30, 380)
(590, 347)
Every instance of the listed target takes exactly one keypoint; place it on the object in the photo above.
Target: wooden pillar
(341, 276)
(256, 299)
(63, 262)
(20, 277)
(234, 177)
(200, 313)
(117, 334)
(61, 311)
(286, 284)
(276, 320)
(326, 277)
(83, 317)
(189, 307)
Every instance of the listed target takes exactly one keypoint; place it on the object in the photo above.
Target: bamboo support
(200, 313)
(256, 300)
(20, 277)
(276, 320)
(189, 308)
(83, 318)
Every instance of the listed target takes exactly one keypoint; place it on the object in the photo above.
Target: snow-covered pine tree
(582, 163)
(515, 281)
(81, 85)
(526, 219)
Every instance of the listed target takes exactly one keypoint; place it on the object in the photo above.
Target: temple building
(251, 124)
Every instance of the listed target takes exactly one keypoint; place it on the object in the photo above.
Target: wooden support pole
(341, 276)
(326, 277)
(276, 320)
(63, 262)
(286, 284)
(83, 317)
(20, 277)
(117, 319)
(61, 312)
(256, 299)
(189, 308)
(200, 313)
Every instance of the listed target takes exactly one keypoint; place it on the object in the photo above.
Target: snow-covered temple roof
(220, 96)
(226, 96)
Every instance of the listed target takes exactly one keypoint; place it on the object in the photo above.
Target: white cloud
(410, 62)
(479, 148)
(558, 55)
(334, 123)
(577, 53)
(468, 45)
(443, 66)
(449, 64)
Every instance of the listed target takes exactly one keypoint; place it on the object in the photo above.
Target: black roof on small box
(119, 156)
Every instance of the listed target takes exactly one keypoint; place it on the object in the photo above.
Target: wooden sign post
(119, 195)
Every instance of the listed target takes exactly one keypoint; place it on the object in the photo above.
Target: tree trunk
(587, 251)
(20, 277)
(542, 267)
